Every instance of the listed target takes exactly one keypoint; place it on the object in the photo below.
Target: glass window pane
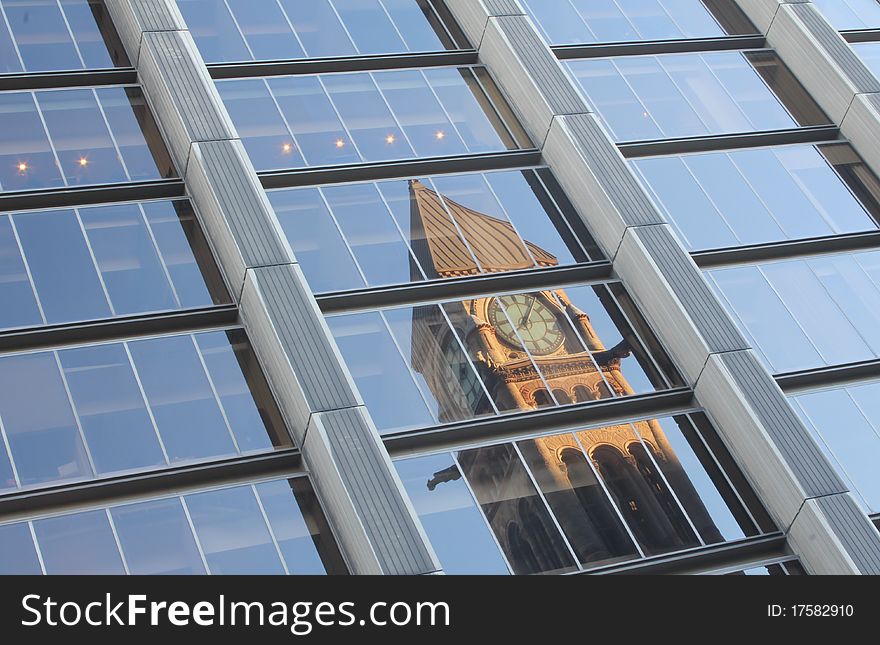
(369, 26)
(849, 434)
(762, 316)
(110, 408)
(452, 520)
(39, 424)
(295, 536)
(418, 110)
(367, 117)
(185, 253)
(128, 259)
(410, 17)
(469, 109)
(372, 234)
(233, 533)
(87, 19)
(61, 266)
(263, 131)
(10, 63)
(135, 133)
(81, 138)
(78, 544)
(26, 159)
(227, 357)
(20, 305)
(7, 476)
(380, 372)
(18, 557)
(311, 116)
(319, 28)
(156, 538)
(214, 31)
(851, 14)
(516, 513)
(671, 441)
(316, 241)
(186, 412)
(43, 39)
(265, 29)
(868, 52)
(577, 500)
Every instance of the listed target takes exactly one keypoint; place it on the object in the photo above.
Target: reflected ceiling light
(340, 143)
(83, 161)
(390, 139)
(440, 135)
(286, 148)
(22, 167)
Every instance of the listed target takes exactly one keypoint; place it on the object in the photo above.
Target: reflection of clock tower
(500, 334)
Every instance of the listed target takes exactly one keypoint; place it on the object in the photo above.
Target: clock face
(535, 323)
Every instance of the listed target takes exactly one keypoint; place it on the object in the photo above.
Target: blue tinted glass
(81, 138)
(43, 38)
(420, 113)
(189, 419)
(82, 17)
(851, 14)
(9, 59)
(263, 131)
(127, 259)
(20, 305)
(7, 477)
(61, 266)
(82, 543)
(176, 232)
(265, 29)
(156, 538)
(382, 376)
(313, 119)
(370, 26)
(17, 553)
(39, 424)
(367, 116)
(111, 408)
(292, 533)
(870, 54)
(371, 232)
(319, 28)
(316, 241)
(226, 356)
(214, 31)
(680, 95)
(125, 109)
(233, 533)
(410, 18)
(26, 159)
(450, 515)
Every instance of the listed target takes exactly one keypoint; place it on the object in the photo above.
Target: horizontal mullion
(395, 169)
(455, 288)
(824, 376)
(342, 64)
(546, 421)
(636, 48)
(861, 35)
(743, 553)
(808, 134)
(144, 485)
(787, 249)
(78, 78)
(85, 195)
(117, 328)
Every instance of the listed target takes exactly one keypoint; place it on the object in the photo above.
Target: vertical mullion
(342, 235)
(8, 449)
(406, 240)
(342, 123)
(67, 26)
(111, 135)
(12, 38)
(391, 112)
(458, 230)
(49, 140)
(74, 412)
(161, 255)
(37, 548)
(94, 259)
(118, 542)
(192, 528)
(214, 392)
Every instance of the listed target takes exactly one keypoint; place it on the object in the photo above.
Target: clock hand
(525, 321)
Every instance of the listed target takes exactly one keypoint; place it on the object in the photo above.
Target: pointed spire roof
(444, 254)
